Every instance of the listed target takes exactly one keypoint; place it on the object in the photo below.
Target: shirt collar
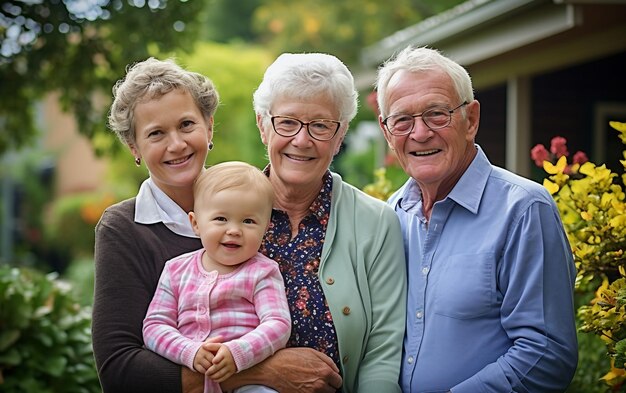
(467, 192)
(152, 205)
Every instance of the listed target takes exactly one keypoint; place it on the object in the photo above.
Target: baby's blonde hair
(233, 174)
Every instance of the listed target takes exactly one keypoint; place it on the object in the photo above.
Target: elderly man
(490, 270)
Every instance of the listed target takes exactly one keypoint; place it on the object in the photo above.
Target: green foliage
(592, 365)
(54, 45)
(236, 70)
(342, 28)
(45, 342)
(381, 188)
(230, 21)
(80, 273)
(72, 220)
(27, 181)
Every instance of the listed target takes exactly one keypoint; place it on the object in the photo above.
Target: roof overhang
(495, 39)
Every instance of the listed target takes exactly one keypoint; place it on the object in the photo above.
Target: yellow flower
(550, 186)
(381, 188)
(581, 186)
(615, 376)
(569, 216)
(554, 169)
(618, 221)
(583, 250)
(587, 168)
(621, 127)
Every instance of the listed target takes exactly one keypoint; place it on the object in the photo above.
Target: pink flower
(580, 158)
(539, 154)
(372, 101)
(558, 146)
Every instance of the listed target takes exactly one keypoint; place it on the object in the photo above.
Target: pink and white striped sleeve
(272, 309)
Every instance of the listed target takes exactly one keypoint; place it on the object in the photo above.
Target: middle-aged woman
(164, 114)
(340, 251)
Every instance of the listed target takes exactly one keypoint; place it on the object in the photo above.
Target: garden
(46, 287)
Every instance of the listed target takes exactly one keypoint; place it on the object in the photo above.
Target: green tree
(236, 70)
(342, 28)
(79, 48)
(228, 20)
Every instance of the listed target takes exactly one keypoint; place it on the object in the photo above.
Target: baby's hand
(203, 360)
(223, 363)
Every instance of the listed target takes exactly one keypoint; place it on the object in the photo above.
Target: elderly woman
(340, 251)
(164, 115)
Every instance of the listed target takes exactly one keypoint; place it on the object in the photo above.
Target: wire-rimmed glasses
(434, 118)
(319, 129)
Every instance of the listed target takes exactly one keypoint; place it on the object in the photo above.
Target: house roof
(497, 39)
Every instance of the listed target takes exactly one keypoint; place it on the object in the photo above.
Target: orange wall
(77, 167)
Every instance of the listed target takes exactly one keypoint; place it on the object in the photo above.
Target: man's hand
(290, 370)
(192, 382)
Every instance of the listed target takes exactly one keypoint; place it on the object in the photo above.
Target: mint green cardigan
(363, 275)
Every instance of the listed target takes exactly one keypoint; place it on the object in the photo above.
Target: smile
(425, 153)
(298, 158)
(179, 160)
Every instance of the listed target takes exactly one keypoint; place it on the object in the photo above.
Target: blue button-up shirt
(491, 277)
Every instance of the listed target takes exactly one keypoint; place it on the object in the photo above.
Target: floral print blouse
(299, 259)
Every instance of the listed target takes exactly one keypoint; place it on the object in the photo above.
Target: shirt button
(409, 360)
(419, 315)
(346, 310)
(330, 281)
(425, 270)
(345, 359)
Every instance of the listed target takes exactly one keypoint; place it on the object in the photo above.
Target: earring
(210, 146)
(138, 161)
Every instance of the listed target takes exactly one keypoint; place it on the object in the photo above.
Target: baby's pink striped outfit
(247, 308)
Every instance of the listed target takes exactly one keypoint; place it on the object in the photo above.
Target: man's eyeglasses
(434, 118)
(320, 129)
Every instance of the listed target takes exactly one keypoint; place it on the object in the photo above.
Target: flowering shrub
(558, 149)
(381, 187)
(592, 205)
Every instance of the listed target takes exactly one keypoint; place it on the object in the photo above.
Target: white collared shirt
(152, 205)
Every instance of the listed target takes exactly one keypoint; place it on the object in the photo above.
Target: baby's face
(231, 224)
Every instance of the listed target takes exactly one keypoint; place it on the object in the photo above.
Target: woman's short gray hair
(306, 75)
(414, 59)
(152, 78)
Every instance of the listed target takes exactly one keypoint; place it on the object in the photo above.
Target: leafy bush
(72, 220)
(80, 273)
(45, 342)
(592, 205)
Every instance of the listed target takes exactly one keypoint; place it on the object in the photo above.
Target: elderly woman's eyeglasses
(434, 118)
(320, 129)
